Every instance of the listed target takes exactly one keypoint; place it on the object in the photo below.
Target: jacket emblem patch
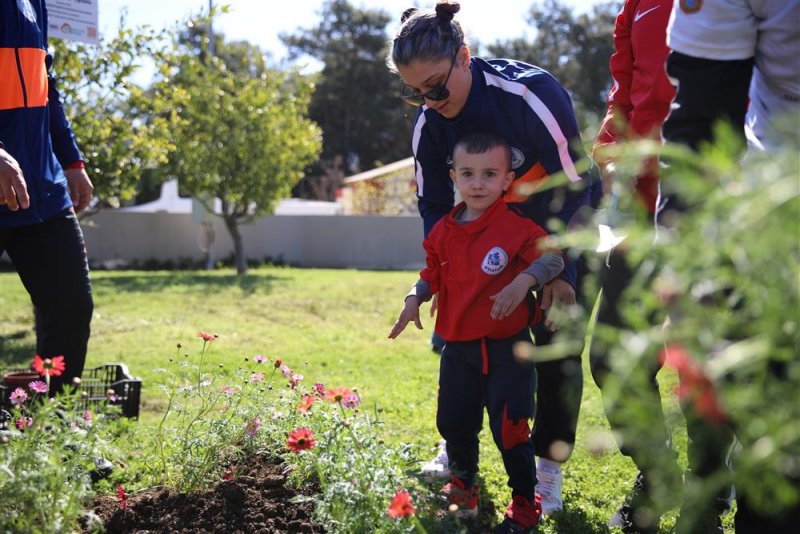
(495, 261)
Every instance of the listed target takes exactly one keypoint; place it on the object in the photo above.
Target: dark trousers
(51, 261)
(558, 401)
(485, 373)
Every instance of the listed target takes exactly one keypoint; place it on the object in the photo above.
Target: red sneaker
(466, 500)
(521, 515)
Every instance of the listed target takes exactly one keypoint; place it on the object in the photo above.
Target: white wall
(365, 242)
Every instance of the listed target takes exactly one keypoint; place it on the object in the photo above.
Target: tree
(575, 50)
(240, 130)
(356, 102)
(100, 101)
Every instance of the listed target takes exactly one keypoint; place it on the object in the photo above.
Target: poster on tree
(75, 20)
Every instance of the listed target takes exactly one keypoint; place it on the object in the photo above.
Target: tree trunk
(238, 247)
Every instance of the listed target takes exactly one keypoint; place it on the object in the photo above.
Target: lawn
(331, 326)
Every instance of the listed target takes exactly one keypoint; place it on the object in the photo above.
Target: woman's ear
(464, 56)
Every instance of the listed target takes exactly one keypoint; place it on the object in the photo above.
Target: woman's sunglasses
(440, 92)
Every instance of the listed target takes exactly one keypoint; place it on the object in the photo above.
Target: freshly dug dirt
(257, 500)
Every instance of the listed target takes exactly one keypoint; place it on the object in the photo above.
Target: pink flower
(111, 395)
(38, 387)
(301, 439)
(401, 505)
(18, 396)
(285, 370)
(207, 337)
(337, 394)
(24, 422)
(253, 427)
(228, 390)
(258, 358)
(87, 416)
(256, 377)
(351, 401)
(295, 380)
(319, 388)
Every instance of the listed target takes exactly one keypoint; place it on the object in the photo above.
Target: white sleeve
(717, 29)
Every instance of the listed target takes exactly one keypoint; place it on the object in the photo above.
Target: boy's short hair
(480, 141)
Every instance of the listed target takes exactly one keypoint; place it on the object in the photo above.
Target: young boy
(483, 260)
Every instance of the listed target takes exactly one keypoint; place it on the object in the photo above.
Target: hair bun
(407, 14)
(446, 10)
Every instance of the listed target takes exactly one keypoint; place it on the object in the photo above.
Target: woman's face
(421, 76)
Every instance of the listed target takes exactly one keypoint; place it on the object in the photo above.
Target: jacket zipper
(21, 79)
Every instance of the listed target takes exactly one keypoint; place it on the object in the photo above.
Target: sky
(261, 21)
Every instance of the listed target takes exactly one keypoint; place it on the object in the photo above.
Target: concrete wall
(367, 242)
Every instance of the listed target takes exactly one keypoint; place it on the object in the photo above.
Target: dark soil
(257, 500)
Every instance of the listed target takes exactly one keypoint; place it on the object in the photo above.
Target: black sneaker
(636, 515)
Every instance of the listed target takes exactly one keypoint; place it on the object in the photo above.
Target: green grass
(331, 326)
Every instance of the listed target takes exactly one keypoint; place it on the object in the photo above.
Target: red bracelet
(76, 165)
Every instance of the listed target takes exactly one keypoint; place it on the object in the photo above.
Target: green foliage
(102, 105)
(717, 289)
(574, 49)
(356, 101)
(240, 130)
(46, 456)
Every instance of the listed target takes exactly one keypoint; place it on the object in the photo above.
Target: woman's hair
(426, 34)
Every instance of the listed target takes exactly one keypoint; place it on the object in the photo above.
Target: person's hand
(609, 174)
(510, 296)
(556, 293)
(13, 190)
(410, 313)
(80, 188)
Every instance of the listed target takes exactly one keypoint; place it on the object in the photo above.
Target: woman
(458, 93)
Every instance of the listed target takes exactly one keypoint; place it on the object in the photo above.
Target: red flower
(278, 363)
(306, 403)
(49, 366)
(301, 439)
(337, 394)
(695, 386)
(401, 505)
(123, 497)
(207, 337)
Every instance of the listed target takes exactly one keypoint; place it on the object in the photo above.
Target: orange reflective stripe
(527, 184)
(10, 86)
(34, 72)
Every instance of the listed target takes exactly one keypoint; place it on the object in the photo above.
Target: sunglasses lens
(437, 93)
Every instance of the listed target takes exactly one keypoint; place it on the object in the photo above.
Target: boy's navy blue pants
(485, 373)
(50, 259)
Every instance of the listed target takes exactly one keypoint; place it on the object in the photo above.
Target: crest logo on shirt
(495, 261)
(691, 6)
(517, 158)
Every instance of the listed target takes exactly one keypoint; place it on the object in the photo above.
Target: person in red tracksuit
(638, 104)
(483, 259)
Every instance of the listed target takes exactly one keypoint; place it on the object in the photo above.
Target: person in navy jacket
(43, 184)
(457, 94)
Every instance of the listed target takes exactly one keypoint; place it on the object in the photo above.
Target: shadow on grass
(154, 282)
(15, 351)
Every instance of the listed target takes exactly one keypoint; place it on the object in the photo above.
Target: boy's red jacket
(468, 263)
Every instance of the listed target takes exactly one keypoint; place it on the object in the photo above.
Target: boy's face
(480, 178)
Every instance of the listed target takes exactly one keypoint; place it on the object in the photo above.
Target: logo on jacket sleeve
(495, 261)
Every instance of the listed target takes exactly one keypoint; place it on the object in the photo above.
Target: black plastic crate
(95, 383)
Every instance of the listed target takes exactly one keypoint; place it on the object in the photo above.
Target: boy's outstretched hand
(410, 313)
(510, 296)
